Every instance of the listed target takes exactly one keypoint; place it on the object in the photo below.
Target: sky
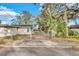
(10, 10)
(20, 7)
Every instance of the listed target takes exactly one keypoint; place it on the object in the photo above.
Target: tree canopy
(56, 17)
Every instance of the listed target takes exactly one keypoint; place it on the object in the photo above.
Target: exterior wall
(7, 32)
(2, 32)
(75, 30)
(24, 30)
(13, 31)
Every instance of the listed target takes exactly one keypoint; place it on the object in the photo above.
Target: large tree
(67, 12)
(53, 14)
(26, 17)
(45, 18)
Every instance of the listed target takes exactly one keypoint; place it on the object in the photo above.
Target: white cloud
(41, 4)
(6, 13)
(4, 8)
(40, 8)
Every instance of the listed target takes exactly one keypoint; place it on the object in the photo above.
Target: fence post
(50, 34)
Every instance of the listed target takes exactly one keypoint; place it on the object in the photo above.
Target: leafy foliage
(26, 17)
(73, 33)
(56, 17)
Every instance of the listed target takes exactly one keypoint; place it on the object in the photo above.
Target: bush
(73, 33)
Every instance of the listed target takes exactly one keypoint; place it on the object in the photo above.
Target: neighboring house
(75, 27)
(7, 30)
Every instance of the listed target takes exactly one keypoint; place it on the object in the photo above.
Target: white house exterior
(75, 27)
(24, 29)
(6, 30)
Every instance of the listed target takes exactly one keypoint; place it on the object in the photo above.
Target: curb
(3, 46)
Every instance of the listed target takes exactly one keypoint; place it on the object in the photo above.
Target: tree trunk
(66, 21)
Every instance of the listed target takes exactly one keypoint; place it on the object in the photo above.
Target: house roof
(22, 25)
(74, 26)
(14, 26)
(8, 26)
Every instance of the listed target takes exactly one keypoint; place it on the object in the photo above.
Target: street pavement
(38, 51)
(38, 48)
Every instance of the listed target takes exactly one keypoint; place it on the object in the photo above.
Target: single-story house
(24, 29)
(8, 30)
(75, 27)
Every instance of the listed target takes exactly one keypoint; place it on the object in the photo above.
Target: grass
(5, 41)
(68, 39)
(11, 39)
(21, 37)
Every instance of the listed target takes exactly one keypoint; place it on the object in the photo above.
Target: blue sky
(19, 7)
